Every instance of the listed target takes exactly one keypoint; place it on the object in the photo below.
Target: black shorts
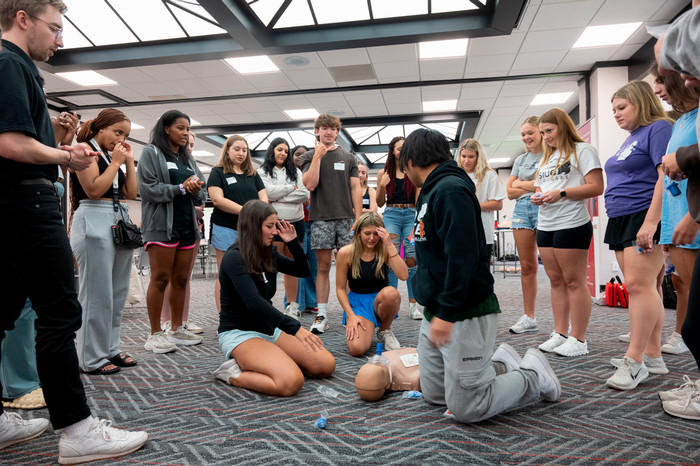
(622, 231)
(569, 238)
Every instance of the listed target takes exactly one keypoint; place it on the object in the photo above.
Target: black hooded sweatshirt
(453, 279)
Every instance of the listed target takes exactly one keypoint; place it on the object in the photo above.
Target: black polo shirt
(24, 109)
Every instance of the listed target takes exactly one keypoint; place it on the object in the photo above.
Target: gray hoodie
(157, 194)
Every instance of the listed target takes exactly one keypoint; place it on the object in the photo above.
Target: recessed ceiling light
(302, 114)
(250, 65)
(202, 153)
(443, 48)
(551, 99)
(87, 78)
(439, 105)
(600, 36)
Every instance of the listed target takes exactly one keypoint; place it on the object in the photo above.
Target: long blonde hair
(647, 106)
(567, 137)
(224, 161)
(368, 219)
(482, 165)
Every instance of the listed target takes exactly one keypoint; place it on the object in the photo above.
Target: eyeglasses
(55, 29)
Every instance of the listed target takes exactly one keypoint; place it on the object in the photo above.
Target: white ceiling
(540, 44)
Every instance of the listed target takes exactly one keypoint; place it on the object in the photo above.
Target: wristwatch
(562, 193)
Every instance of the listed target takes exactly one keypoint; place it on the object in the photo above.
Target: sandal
(122, 360)
(103, 370)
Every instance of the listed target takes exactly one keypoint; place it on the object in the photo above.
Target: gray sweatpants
(462, 376)
(105, 270)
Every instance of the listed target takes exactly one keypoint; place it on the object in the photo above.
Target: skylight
(335, 12)
(139, 15)
(600, 36)
(396, 8)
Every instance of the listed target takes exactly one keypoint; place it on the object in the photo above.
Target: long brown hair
(368, 219)
(567, 137)
(390, 168)
(257, 257)
(225, 162)
(682, 98)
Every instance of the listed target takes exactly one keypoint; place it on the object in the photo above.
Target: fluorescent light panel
(443, 48)
(551, 99)
(439, 105)
(302, 114)
(251, 65)
(86, 78)
(601, 36)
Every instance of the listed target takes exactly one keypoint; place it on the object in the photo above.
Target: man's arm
(22, 148)
(356, 192)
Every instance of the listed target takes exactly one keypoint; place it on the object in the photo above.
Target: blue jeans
(38, 264)
(18, 372)
(306, 294)
(400, 223)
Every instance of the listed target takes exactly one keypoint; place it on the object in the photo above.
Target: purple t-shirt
(632, 173)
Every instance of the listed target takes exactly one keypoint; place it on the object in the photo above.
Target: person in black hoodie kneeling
(458, 366)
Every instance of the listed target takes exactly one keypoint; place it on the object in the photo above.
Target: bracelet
(70, 159)
(182, 190)
(391, 257)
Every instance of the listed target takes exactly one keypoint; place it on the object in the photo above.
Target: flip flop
(102, 370)
(122, 360)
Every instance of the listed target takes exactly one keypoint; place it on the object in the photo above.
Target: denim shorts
(230, 339)
(525, 214)
(221, 237)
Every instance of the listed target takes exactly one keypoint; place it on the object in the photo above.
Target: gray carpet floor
(194, 419)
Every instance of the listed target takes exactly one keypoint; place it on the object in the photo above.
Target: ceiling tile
(229, 84)
(443, 68)
(270, 81)
(404, 109)
(558, 39)
(669, 9)
(496, 45)
(624, 52)
(345, 57)
(402, 96)
(363, 98)
(537, 61)
(304, 77)
(392, 53)
(405, 70)
(370, 110)
(474, 104)
(447, 92)
(517, 88)
(126, 75)
(514, 101)
(626, 11)
(163, 72)
(583, 59)
(297, 61)
(565, 15)
(478, 91)
(208, 68)
(492, 64)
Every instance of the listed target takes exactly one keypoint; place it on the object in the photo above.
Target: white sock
(79, 429)
(322, 311)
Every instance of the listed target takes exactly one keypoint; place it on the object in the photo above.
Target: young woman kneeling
(363, 266)
(267, 351)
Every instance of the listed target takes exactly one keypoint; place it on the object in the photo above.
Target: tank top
(399, 195)
(102, 165)
(365, 199)
(368, 281)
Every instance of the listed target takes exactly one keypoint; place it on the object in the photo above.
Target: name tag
(339, 166)
(171, 165)
(231, 180)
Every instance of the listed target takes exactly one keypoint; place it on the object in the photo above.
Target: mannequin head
(372, 381)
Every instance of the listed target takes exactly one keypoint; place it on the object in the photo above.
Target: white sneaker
(674, 344)
(687, 408)
(415, 310)
(388, 339)
(192, 327)
(228, 370)
(165, 326)
(320, 326)
(292, 310)
(550, 388)
(159, 344)
(654, 365)
(525, 324)
(624, 338)
(14, 429)
(628, 375)
(681, 392)
(100, 442)
(572, 347)
(554, 340)
(507, 355)
(182, 336)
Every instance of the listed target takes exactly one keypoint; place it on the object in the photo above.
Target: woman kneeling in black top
(268, 351)
(363, 266)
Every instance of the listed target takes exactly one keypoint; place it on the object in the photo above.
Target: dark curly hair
(269, 163)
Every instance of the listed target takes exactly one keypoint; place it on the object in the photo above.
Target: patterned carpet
(194, 419)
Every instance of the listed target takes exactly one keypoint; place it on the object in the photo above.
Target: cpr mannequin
(371, 381)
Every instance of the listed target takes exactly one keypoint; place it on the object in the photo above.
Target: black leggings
(691, 325)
